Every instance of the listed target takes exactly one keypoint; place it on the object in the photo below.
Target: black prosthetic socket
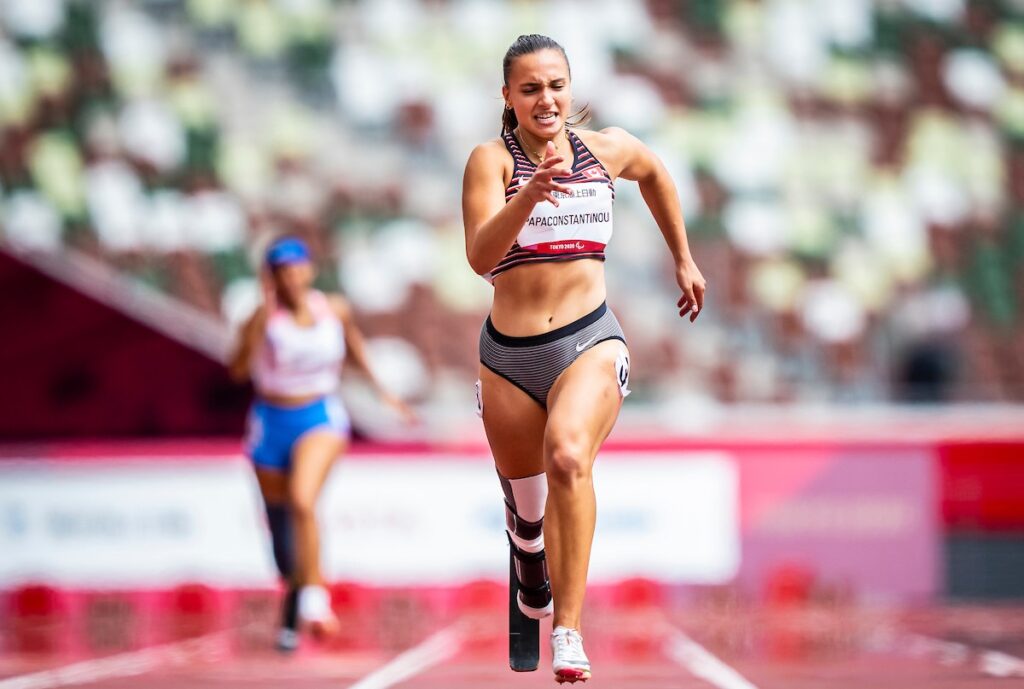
(531, 567)
(532, 573)
(290, 608)
(280, 522)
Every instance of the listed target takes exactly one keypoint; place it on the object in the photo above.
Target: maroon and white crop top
(579, 227)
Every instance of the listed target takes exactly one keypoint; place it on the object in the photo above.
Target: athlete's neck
(298, 309)
(538, 145)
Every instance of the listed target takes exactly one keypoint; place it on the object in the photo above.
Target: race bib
(581, 222)
(622, 373)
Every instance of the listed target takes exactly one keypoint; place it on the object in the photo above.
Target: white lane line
(989, 662)
(948, 653)
(115, 666)
(1000, 664)
(435, 649)
(702, 663)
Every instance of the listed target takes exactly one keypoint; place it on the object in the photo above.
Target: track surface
(701, 645)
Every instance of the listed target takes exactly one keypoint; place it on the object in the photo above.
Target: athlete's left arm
(635, 161)
(355, 344)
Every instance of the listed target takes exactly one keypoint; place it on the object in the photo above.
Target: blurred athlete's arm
(491, 224)
(240, 361)
(638, 163)
(355, 344)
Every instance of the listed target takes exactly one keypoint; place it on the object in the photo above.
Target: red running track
(719, 643)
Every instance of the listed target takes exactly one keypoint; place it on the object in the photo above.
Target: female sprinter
(537, 207)
(293, 347)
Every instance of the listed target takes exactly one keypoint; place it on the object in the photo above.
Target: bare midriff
(287, 400)
(534, 299)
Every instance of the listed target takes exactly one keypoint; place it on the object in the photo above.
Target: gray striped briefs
(534, 362)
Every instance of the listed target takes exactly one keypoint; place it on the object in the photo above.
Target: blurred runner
(293, 348)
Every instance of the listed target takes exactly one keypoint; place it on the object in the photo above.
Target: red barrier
(638, 606)
(256, 615)
(193, 610)
(111, 622)
(983, 485)
(477, 603)
(354, 606)
(789, 585)
(38, 620)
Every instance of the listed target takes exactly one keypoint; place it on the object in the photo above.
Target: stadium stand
(852, 173)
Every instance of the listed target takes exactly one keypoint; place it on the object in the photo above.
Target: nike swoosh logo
(580, 346)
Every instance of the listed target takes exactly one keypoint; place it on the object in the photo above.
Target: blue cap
(287, 250)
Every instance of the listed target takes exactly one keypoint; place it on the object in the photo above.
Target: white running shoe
(315, 611)
(569, 662)
(287, 640)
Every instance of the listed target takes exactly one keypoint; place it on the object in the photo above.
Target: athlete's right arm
(491, 224)
(240, 361)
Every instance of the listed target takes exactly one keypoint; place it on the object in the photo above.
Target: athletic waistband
(550, 336)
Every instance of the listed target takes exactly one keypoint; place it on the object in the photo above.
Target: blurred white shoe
(315, 611)
(287, 640)
(568, 660)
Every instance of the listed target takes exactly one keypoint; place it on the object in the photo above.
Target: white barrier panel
(131, 523)
(396, 521)
(385, 520)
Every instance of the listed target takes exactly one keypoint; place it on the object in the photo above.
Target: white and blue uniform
(297, 361)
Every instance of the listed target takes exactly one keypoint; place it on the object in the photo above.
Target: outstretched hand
(268, 290)
(408, 415)
(542, 185)
(692, 283)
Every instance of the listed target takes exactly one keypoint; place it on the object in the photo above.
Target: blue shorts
(273, 431)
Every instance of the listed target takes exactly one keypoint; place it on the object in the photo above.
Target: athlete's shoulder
(607, 138)
(339, 304)
(488, 161)
(613, 146)
(257, 319)
(615, 133)
(489, 152)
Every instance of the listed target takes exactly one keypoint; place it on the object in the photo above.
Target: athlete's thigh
(273, 485)
(585, 400)
(312, 457)
(514, 424)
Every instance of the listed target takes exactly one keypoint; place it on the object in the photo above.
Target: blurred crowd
(852, 173)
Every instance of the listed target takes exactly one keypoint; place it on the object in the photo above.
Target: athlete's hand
(542, 184)
(409, 417)
(268, 290)
(692, 283)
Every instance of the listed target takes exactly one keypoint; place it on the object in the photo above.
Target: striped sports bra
(579, 227)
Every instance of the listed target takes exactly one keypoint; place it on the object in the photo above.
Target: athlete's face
(539, 91)
(292, 280)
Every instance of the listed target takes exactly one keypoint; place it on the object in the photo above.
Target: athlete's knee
(302, 503)
(567, 459)
(525, 499)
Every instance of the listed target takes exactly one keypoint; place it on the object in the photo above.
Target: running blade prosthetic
(523, 632)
